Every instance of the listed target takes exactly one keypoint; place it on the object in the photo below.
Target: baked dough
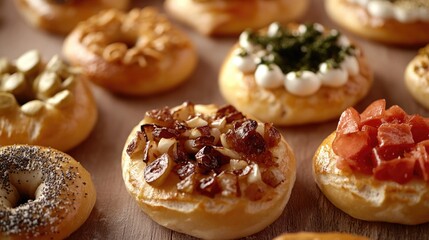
(281, 107)
(375, 195)
(46, 104)
(224, 17)
(390, 31)
(61, 16)
(44, 193)
(134, 53)
(194, 184)
(417, 77)
(319, 236)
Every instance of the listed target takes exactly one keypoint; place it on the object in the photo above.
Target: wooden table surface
(117, 216)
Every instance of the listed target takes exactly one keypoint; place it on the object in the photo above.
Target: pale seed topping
(15, 83)
(29, 62)
(33, 107)
(7, 101)
(61, 99)
(29, 81)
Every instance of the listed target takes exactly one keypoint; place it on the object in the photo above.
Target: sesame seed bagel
(45, 104)
(134, 53)
(222, 17)
(44, 193)
(62, 16)
(208, 172)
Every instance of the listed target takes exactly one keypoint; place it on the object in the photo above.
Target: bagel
(45, 104)
(134, 53)
(223, 17)
(44, 193)
(417, 77)
(393, 22)
(275, 76)
(62, 16)
(208, 172)
(375, 166)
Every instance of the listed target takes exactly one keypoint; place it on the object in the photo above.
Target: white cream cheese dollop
(269, 76)
(332, 77)
(300, 83)
(303, 83)
(404, 12)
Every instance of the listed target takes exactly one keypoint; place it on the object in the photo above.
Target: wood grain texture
(117, 216)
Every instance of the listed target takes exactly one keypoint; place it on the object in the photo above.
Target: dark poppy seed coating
(39, 216)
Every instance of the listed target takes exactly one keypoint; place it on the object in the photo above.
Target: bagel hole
(28, 186)
(23, 199)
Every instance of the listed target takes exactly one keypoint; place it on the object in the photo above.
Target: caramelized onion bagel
(375, 166)
(388, 30)
(276, 85)
(417, 77)
(224, 17)
(44, 104)
(44, 193)
(319, 236)
(61, 16)
(208, 172)
(135, 53)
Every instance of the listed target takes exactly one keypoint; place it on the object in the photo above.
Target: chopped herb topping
(295, 51)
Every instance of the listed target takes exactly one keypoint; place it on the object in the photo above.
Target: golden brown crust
(62, 18)
(205, 217)
(283, 108)
(417, 77)
(156, 61)
(319, 236)
(387, 31)
(220, 17)
(363, 197)
(65, 210)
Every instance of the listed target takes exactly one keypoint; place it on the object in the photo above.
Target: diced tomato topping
(421, 154)
(395, 114)
(352, 146)
(372, 133)
(390, 144)
(389, 152)
(373, 114)
(349, 121)
(419, 128)
(399, 170)
(395, 135)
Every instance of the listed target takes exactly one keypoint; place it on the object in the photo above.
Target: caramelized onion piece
(271, 135)
(228, 184)
(136, 145)
(185, 169)
(230, 113)
(157, 171)
(208, 186)
(245, 139)
(187, 185)
(161, 117)
(209, 159)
